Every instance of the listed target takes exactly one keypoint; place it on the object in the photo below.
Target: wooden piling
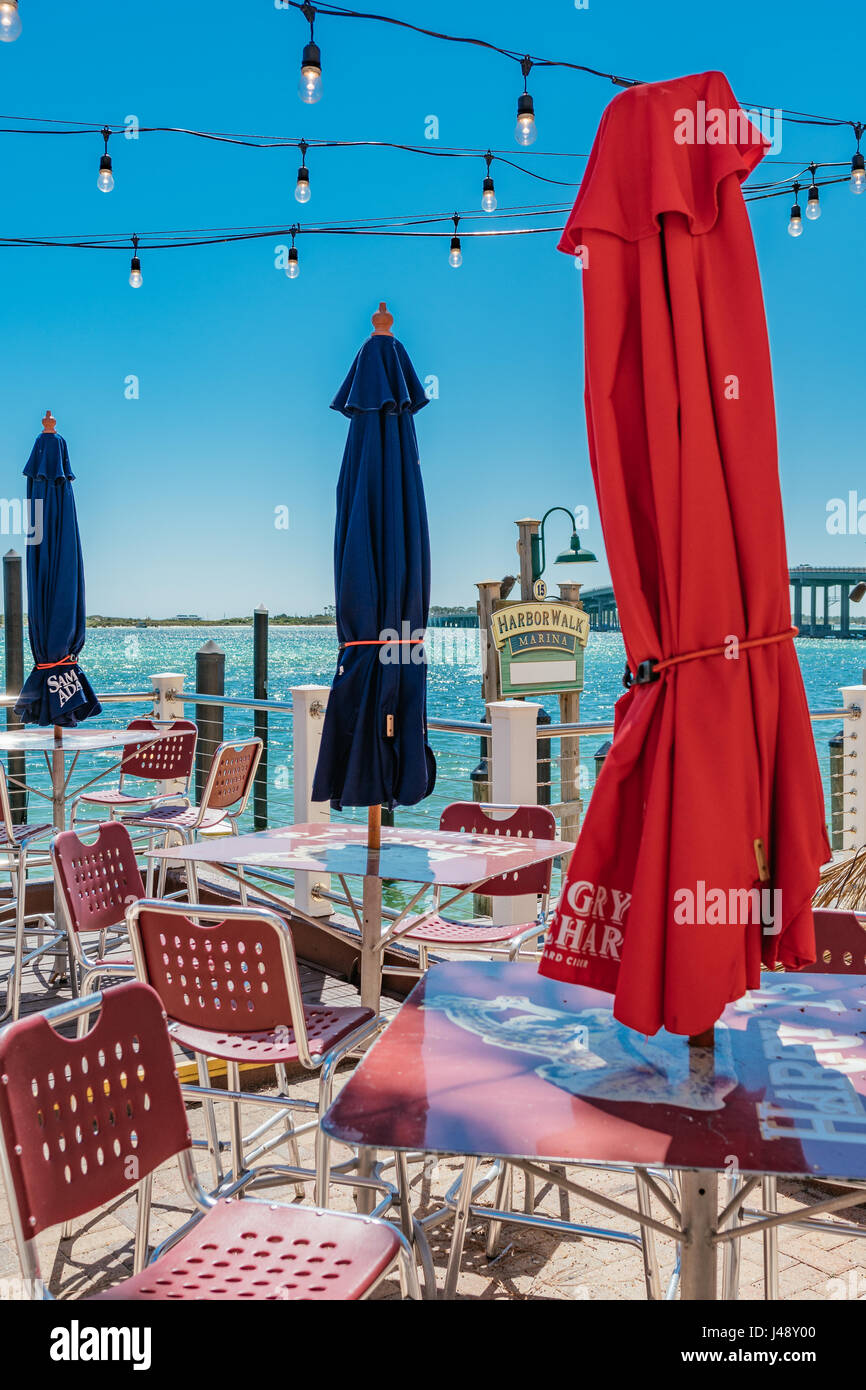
(13, 624)
(210, 673)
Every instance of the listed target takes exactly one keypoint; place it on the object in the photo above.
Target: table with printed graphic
(494, 1061)
(429, 859)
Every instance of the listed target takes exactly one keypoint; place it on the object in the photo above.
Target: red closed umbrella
(701, 846)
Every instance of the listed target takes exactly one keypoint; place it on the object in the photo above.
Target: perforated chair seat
(445, 933)
(273, 1046)
(182, 817)
(23, 834)
(254, 1250)
(113, 796)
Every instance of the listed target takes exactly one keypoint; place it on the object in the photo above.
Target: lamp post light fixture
(573, 555)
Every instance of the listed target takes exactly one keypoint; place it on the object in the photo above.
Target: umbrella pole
(58, 777)
(63, 959)
(371, 956)
(371, 966)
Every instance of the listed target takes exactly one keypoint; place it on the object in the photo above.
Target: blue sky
(237, 365)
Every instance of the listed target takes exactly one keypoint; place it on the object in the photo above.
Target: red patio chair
(73, 1111)
(226, 793)
(16, 842)
(228, 980)
(474, 818)
(167, 755)
(98, 882)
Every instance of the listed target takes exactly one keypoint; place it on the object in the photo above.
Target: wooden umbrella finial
(49, 424)
(382, 322)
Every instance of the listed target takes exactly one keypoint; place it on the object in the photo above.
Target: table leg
(371, 956)
(461, 1220)
(700, 1209)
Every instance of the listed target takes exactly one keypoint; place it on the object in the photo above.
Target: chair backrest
(525, 822)
(166, 757)
(99, 880)
(840, 940)
(83, 1119)
(230, 974)
(7, 825)
(230, 779)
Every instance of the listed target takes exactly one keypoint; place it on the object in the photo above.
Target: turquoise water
(122, 659)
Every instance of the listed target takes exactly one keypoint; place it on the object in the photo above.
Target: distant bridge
(827, 616)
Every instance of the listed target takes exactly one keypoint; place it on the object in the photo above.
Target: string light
(488, 192)
(310, 83)
(293, 269)
(455, 259)
(526, 131)
(105, 182)
(135, 266)
(813, 203)
(858, 165)
(10, 21)
(303, 193)
(795, 226)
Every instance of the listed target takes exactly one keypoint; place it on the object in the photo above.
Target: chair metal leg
(769, 1196)
(502, 1200)
(142, 1223)
(294, 1152)
(461, 1219)
(731, 1249)
(20, 913)
(210, 1123)
(233, 1081)
(648, 1239)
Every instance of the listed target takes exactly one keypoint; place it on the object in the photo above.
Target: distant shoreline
(274, 620)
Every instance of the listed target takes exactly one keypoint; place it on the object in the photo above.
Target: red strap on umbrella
(650, 670)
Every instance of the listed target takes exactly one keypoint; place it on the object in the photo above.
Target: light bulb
(488, 196)
(858, 173)
(293, 268)
(795, 226)
(526, 132)
(303, 193)
(310, 83)
(455, 259)
(813, 205)
(105, 182)
(135, 273)
(10, 21)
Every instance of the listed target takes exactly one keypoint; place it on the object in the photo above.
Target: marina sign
(540, 647)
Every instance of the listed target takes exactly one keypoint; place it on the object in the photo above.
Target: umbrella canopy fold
(57, 690)
(702, 843)
(374, 749)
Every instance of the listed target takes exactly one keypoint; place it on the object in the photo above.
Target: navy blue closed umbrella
(57, 690)
(374, 749)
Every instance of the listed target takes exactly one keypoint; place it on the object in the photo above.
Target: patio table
(492, 1060)
(57, 744)
(56, 749)
(429, 859)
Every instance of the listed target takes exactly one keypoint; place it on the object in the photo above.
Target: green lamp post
(574, 555)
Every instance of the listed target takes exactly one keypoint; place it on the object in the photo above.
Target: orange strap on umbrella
(49, 665)
(651, 669)
(386, 642)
